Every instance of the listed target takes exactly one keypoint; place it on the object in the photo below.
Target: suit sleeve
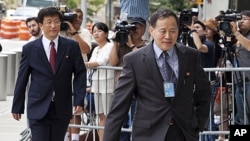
(79, 81)
(202, 94)
(121, 101)
(21, 83)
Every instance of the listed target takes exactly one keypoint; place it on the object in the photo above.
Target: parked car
(22, 13)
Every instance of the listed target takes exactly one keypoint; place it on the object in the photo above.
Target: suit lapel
(149, 62)
(41, 53)
(60, 53)
(182, 62)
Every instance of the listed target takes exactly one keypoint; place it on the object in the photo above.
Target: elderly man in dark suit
(170, 86)
(50, 61)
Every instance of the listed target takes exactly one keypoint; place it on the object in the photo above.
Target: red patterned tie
(52, 58)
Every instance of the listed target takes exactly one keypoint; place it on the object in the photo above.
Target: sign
(239, 132)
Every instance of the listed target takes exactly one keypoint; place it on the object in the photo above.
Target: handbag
(226, 100)
(91, 135)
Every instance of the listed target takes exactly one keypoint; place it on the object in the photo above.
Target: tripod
(228, 60)
(183, 35)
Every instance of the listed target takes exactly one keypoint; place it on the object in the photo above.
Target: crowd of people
(162, 91)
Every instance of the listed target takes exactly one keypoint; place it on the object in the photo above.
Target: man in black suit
(170, 86)
(50, 61)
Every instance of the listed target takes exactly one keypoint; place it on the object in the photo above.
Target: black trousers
(174, 134)
(49, 128)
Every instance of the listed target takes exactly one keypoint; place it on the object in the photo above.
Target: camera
(225, 18)
(67, 16)
(186, 16)
(123, 28)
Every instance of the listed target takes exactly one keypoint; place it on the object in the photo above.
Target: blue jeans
(125, 136)
(239, 101)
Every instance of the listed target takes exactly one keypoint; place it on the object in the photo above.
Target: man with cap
(134, 42)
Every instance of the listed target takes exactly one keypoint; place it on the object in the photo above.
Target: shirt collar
(46, 41)
(158, 51)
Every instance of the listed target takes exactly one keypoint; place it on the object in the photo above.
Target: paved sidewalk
(10, 129)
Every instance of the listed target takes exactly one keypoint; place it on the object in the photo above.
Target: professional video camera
(225, 18)
(186, 16)
(123, 28)
(67, 16)
(224, 26)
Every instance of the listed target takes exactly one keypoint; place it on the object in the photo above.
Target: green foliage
(71, 4)
(93, 6)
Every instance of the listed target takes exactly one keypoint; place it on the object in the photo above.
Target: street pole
(84, 10)
(108, 13)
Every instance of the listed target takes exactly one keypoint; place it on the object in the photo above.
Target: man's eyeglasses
(245, 19)
(49, 23)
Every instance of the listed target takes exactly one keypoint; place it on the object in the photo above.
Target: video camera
(68, 15)
(225, 18)
(186, 16)
(224, 27)
(123, 28)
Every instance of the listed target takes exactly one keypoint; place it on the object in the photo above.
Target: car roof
(22, 13)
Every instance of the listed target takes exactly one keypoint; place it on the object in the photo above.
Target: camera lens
(225, 26)
(185, 19)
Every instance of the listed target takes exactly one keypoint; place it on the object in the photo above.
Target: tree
(94, 6)
(71, 4)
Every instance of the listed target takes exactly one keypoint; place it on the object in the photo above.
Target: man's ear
(151, 30)
(40, 25)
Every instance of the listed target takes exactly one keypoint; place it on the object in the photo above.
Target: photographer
(134, 42)
(120, 49)
(78, 33)
(242, 58)
(83, 37)
(198, 40)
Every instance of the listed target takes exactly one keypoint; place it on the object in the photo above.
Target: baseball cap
(137, 20)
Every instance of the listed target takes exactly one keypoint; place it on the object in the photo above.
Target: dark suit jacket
(141, 76)
(35, 63)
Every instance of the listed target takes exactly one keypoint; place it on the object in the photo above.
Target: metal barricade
(223, 114)
(223, 106)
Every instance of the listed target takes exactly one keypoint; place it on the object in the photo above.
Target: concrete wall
(212, 9)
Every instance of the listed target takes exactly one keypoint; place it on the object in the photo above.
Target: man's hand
(129, 42)
(233, 27)
(71, 28)
(77, 110)
(16, 116)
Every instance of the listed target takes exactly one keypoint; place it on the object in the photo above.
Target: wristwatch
(74, 33)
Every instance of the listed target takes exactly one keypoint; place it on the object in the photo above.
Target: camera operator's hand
(130, 43)
(233, 27)
(71, 28)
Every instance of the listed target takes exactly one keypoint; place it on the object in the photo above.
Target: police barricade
(225, 97)
(222, 108)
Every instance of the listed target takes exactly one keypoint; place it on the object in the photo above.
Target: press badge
(168, 89)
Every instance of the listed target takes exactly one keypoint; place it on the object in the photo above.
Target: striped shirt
(135, 8)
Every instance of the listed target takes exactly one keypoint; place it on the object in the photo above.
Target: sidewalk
(10, 129)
